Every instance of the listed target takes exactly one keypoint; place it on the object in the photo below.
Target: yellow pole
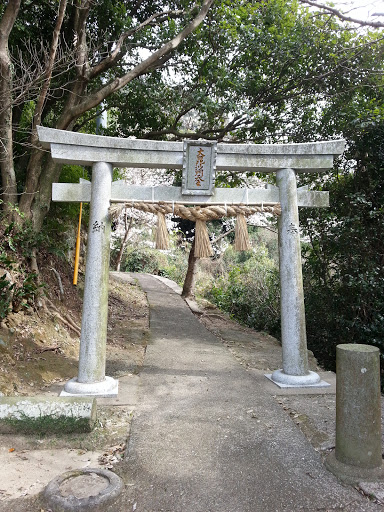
(77, 251)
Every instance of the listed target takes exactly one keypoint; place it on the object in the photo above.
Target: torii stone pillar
(91, 379)
(295, 370)
(284, 159)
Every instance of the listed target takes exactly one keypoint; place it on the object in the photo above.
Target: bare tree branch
(49, 66)
(115, 85)
(220, 237)
(28, 74)
(208, 134)
(36, 157)
(118, 51)
(339, 14)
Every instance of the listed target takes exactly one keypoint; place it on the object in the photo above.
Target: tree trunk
(8, 177)
(189, 283)
(41, 175)
(32, 179)
(42, 198)
(124, 242)
(37, 155)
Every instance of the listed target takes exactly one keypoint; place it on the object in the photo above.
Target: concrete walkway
(208, 436)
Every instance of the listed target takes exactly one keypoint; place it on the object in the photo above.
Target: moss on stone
(45, 425)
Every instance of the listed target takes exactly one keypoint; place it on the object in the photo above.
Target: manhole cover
(86, 489)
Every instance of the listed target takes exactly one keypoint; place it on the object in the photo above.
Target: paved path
(208, 436)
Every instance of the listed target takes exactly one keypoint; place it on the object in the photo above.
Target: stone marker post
(295, 370)
(358, 454)
(91, 379)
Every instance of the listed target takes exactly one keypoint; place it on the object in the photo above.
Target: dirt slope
(39, 347)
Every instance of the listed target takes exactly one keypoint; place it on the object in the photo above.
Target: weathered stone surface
(83, 149)
(103, 152)
(293, 334)
(95, 305)
(47, 414)
(86, 155)
(375, 489)
(353, 475)
(358, 454)
(199, 167)
(90, 489)
(51, 135)
(107, 388)
(121, 192)
(71, 192)
(358, 408)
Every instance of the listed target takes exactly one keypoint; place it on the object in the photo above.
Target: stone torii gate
(104, 153)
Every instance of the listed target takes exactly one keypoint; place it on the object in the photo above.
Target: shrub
(18, 286)
(250, 290)
(343, 269)
(176, 267)
(143, 260)
(171, 264)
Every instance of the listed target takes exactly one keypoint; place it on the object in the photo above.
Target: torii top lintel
(83, 149)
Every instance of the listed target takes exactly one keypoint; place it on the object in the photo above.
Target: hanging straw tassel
(241, 234)
(162, 241)
(203, 247)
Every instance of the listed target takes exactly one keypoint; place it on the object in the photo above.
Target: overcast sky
(361, 9)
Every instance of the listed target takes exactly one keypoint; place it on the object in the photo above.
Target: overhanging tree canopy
(240, 70)
(95, 49)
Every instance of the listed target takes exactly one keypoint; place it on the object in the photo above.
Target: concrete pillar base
(283, 380)
(107, 388)
(353, 474)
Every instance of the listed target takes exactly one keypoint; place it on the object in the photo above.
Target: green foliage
(17, 238)
(343, 270)
(18, 295)
(245, 72)
(68, 213)
(250, 290)
(18, 241)
(176, 268)
(6, 290)
(143, 260)
(24, 295)
(47, 425)
(171, 264)
(60, 228)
